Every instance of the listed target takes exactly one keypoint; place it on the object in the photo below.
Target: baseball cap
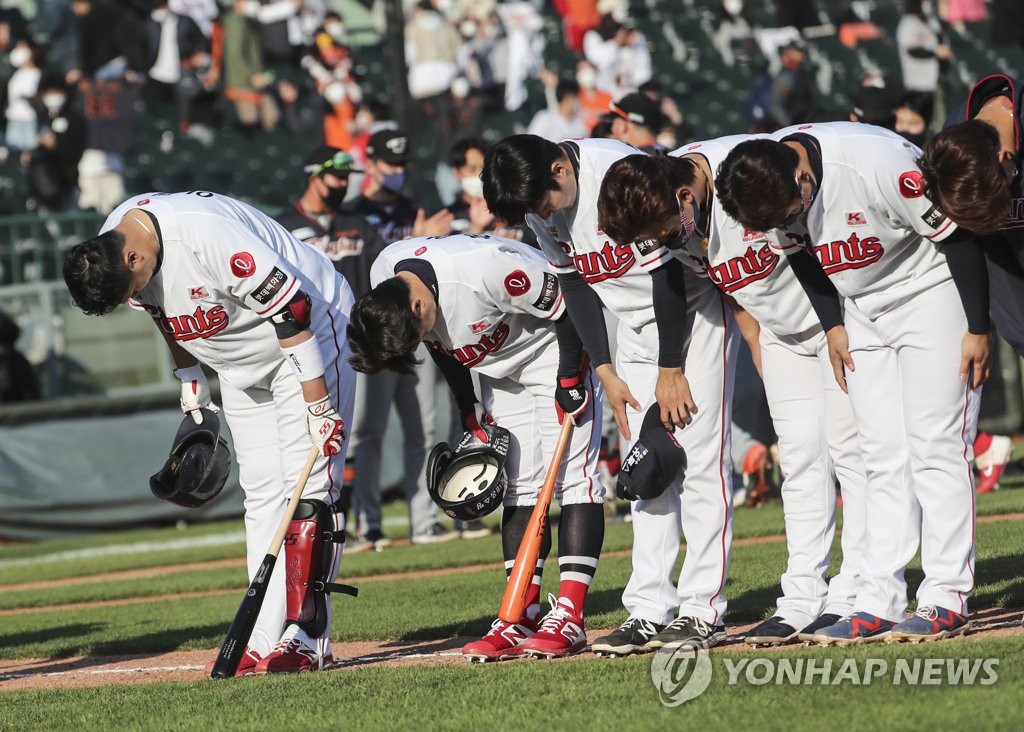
(327, 159)
(390, 146)
(639, 109)
(653, 462)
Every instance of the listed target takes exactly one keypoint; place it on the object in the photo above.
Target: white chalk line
(342, 663)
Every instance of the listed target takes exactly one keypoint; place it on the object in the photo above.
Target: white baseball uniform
(812, 416)
(225, 267)
(874, 233)
(619, 274)
(496, 305)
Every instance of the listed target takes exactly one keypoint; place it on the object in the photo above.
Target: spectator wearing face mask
(52, 168)
(466, 159)
(593, 100)
(914, 117)
(564, 121)
(22, 87)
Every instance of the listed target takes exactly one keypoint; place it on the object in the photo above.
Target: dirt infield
(73, 673)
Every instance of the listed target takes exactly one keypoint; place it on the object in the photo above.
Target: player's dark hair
(639, 190)
(96, 275)
(963, 177)
(756, 183)
(457, 153)
(383, 331)
(517, 176)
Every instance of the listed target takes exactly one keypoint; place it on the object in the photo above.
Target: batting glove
(571, 398)
(325, 426)
(195, 392)
(472, 423)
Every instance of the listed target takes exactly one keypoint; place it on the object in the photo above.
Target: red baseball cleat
(502, 642)
(560, 633)
(246, 667)
(295, 653)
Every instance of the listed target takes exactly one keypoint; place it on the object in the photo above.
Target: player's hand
(975, 359)
(619, 396)
(474, 421)
(839, 354)
(195, 392)
(437, 225)
(673, 394)
(325, 426)
(571, 398)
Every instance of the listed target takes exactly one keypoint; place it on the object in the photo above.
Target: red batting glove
(571, 397)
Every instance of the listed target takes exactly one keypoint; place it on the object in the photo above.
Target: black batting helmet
(469, 482)
(198, 466)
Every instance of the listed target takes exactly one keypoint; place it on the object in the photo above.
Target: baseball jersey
(226, 267)
(496, 299)
(572, 241)
(870, 225)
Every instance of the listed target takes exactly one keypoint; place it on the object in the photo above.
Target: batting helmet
(469, 482)
(198, 466)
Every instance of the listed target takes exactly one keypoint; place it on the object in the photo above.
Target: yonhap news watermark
(684, 673)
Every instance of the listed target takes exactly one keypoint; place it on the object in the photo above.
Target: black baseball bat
(238, 635)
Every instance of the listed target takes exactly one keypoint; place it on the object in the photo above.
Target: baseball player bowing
(554, 187)
(673, 198)
(229, 288)
(853, 196)
(486, 305)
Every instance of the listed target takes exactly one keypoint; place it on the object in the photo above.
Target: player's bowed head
(526, 174)
(388, 323)
(765, 185)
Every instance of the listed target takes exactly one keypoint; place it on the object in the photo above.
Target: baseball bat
(518, 585)
(245, 619)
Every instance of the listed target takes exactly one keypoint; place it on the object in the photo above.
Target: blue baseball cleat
(854, 630)
(929, 623)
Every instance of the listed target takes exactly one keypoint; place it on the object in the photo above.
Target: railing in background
(32, 247)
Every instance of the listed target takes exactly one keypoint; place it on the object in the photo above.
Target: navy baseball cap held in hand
(653, 462)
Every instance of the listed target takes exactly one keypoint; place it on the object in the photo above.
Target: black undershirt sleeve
(670, 313)
(458, 379)
(570, 346)
(587, 315)
(966, 261)
(819, 288)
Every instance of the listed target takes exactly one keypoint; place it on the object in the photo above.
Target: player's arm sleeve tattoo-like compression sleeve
(584, 306)
(570, 346)
(819, 288)
(966, 262)
(458, 378)
(670, 315)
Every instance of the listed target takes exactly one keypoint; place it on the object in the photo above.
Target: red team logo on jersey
(478, 328)
(199, 324)
(608, 263)
(242, 264)
(738, 272)
(911, 184)
(473, 354)
(856, 218)
(853, 253)
(420, 252)
(198, 293)
(517, 283)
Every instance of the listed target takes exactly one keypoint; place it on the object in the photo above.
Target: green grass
(427, 608)
(592, 693)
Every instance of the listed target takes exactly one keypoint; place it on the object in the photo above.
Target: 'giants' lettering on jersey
(609, 263)
(853, 253)
(474, 354)
(200, 324)
(1016, 218)
(738, 272)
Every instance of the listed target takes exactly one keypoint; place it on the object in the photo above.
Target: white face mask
(335, 31)
(460, 87)
(472, 186)
(53, 102)
(335, 92)
(160, 15)
(586, 78)
(732, 7)
(20, 56)
(468, 28)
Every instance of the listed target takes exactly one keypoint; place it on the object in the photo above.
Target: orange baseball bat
(518, 585)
